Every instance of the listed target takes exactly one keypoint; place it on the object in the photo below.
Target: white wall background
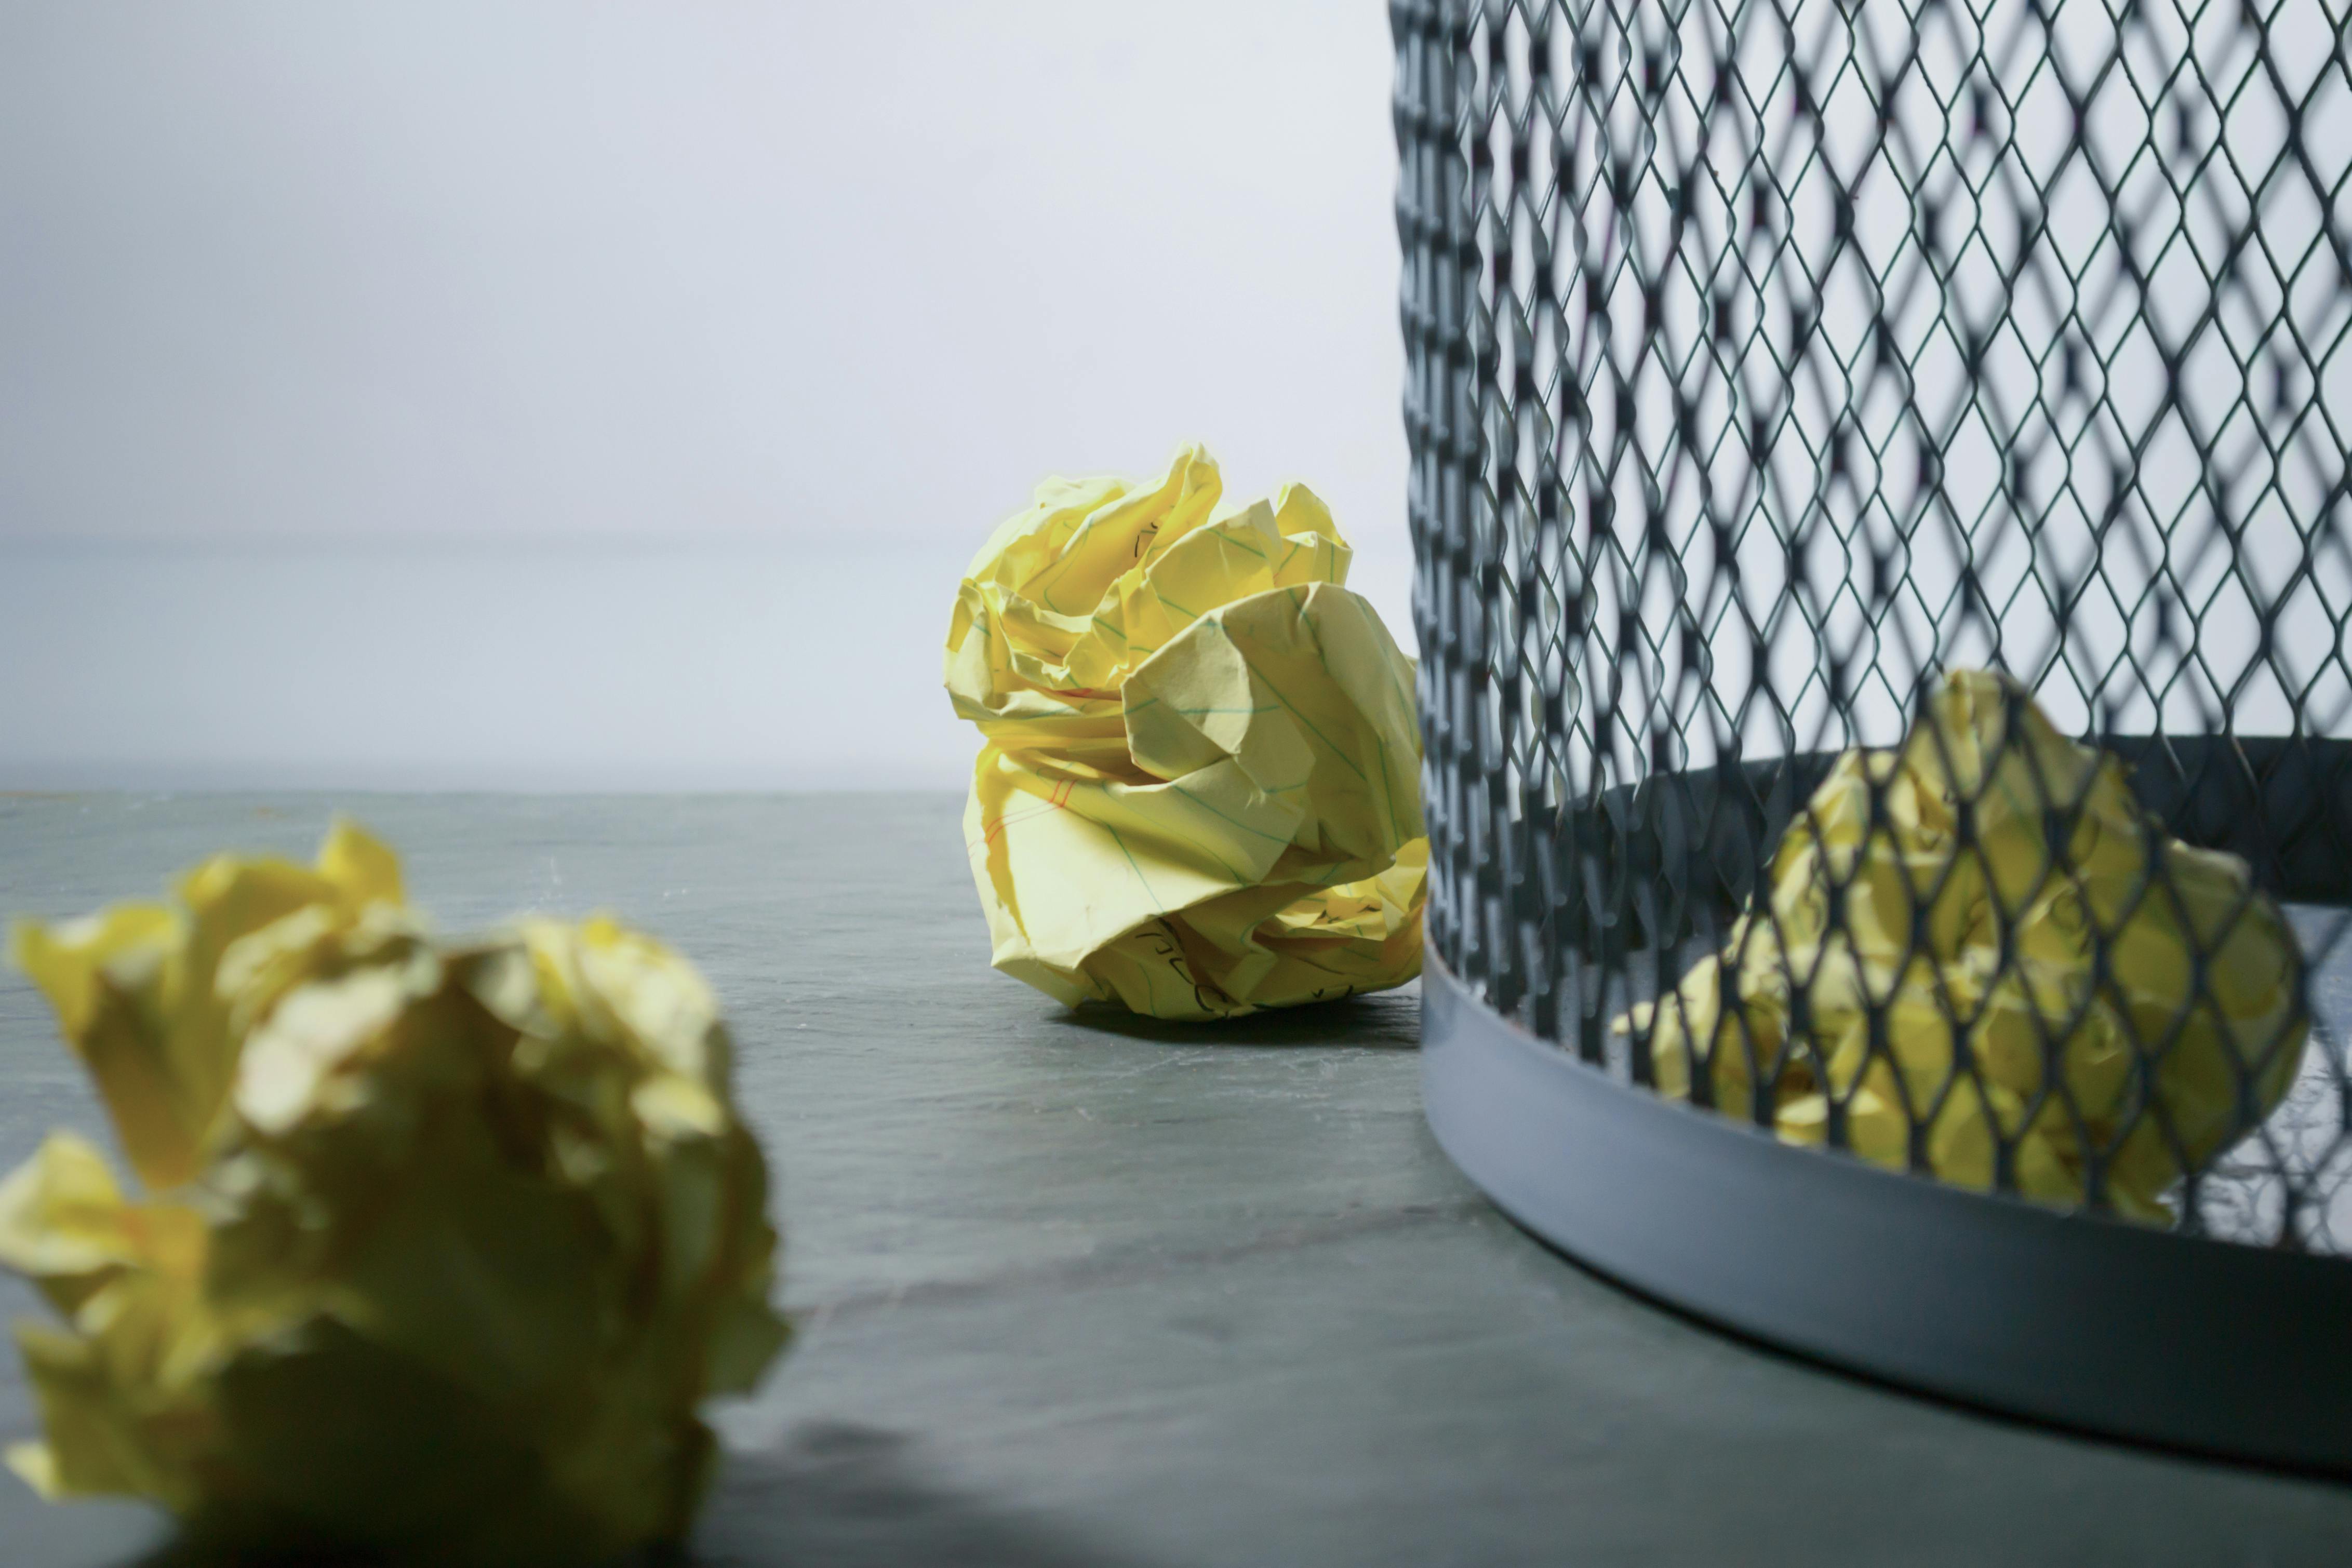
(580, 393)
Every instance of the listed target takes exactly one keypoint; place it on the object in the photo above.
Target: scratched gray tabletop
(1073, 1290)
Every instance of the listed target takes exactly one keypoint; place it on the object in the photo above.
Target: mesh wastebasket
(1773, 368)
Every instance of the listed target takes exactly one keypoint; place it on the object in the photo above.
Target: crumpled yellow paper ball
(440, 1246)
(1995, 834)
(1201, 790)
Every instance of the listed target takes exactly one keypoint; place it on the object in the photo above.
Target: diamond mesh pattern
(1768, 360)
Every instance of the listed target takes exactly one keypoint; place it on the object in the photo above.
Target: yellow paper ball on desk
(1200, 793)
(440, 1246)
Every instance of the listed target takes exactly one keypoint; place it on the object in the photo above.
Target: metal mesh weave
(1769, 360)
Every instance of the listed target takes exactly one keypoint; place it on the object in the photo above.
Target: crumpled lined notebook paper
(440, 1244)
(1199, 791)
(1835, 932)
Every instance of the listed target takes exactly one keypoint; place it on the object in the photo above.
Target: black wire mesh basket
(1879, 489)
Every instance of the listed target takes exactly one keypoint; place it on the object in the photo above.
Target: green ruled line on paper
(1396, 833)
(1156, 906)
(1344, 758)
(1237, 822)
(1242, 545)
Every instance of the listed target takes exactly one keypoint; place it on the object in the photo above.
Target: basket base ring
(2210, 1347)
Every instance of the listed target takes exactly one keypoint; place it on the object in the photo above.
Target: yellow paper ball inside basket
(439, 1246)
(2061, 989)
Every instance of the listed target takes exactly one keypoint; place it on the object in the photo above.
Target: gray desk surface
(1073, 1290)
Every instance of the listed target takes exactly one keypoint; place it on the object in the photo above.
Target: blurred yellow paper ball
(441, 1245)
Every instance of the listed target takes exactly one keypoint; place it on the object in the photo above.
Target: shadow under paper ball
(847, 1496)
(1383, 1020)
(831, 1495)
